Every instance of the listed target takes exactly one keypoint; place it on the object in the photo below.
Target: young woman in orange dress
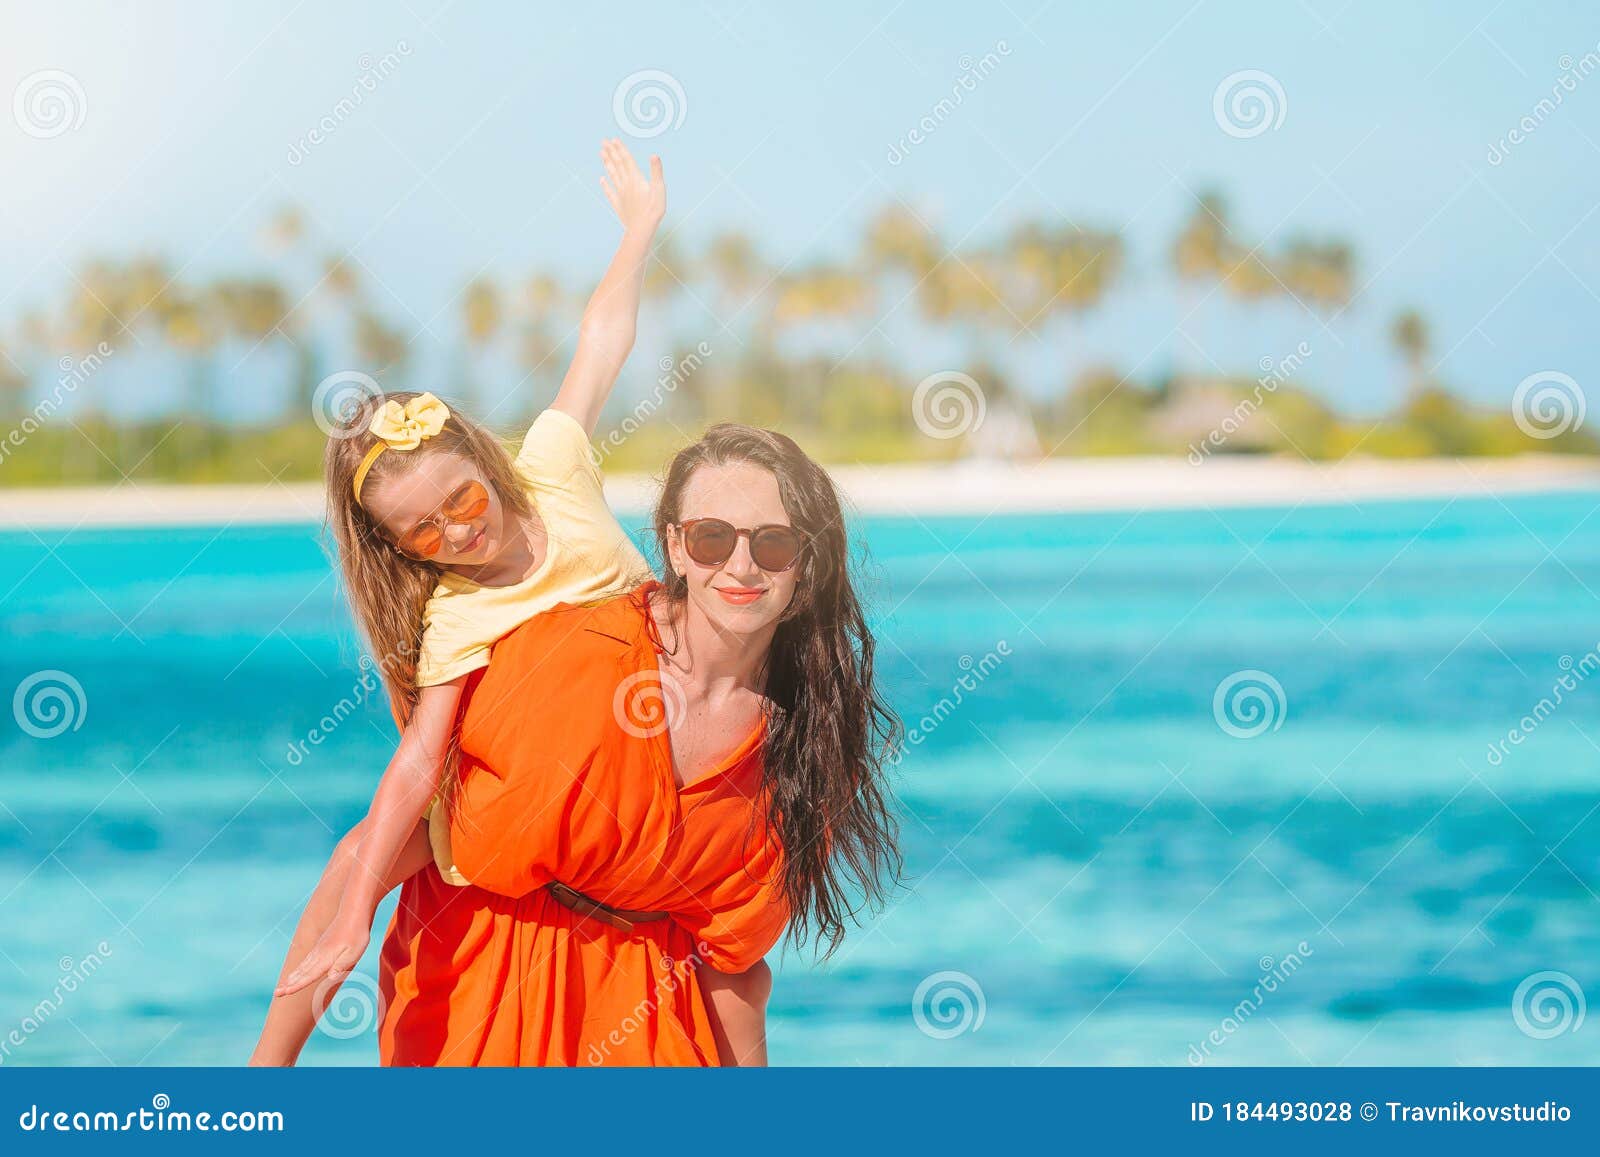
(446, 543)
(654, 786)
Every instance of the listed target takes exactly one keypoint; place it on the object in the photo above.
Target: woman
(614, 850)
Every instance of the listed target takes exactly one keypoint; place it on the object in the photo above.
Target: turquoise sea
(1101, 871)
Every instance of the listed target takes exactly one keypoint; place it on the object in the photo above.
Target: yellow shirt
(588, 557)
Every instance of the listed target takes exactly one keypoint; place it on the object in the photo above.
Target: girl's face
(407, 505)
(736, 595)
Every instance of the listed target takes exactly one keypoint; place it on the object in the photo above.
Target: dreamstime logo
(674, 372)
(1572, 71)
(1273, 375)
(49, 103)
(948, 404)
(648, 103)
(1248, 103)
(647, 703)
(74, 974)
(373, 673)
(1548, 404)
(1548, 1004)
(74, 372)
(1573, 673)
(338, 399)
(975, 672)
(972, 71)
(674, 975)
(1249, 703)
(353, 1010)
(48, 703)
(948, 1004)
(1274, 974)
(372, 72)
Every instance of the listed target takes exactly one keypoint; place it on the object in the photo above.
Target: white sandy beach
(969, 488)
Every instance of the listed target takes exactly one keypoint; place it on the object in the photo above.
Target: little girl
(446, 544)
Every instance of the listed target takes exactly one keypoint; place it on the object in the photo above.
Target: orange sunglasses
(426, 539)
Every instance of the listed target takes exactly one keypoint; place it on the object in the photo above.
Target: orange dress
(566, 777)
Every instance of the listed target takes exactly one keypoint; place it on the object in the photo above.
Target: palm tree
(1204, 249)
(13, 386)
(480, 319)
(380, 346)
(819, 295)
(1409, 333)
(897, 241)
(538, 309)
(285, 238)
(1059, 274)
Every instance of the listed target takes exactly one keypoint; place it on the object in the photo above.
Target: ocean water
(1332, 864)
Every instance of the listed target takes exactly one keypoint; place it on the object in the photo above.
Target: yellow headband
(401, 427)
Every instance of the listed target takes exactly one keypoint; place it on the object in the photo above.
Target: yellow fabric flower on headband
(406, 426)
(401, 426)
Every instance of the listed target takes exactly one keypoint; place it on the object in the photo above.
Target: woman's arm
(410, 781)
(610, 320)
(290, 1019)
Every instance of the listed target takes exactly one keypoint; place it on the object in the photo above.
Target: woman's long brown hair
(388, 590)
(829, 730)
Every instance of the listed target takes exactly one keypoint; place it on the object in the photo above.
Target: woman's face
(424, 494)
(738, 595)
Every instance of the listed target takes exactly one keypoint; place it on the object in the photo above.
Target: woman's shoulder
(573, 654)
(591, 626)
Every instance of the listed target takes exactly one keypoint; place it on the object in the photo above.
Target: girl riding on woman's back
(446, 544)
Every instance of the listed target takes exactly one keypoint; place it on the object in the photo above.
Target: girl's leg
(291, 1018)
(739, 1012)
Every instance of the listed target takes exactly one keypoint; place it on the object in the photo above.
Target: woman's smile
(741, 596)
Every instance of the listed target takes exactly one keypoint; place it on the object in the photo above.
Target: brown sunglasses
(711, 542)
(426, 539)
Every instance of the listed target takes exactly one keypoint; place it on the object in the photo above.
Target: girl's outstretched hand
(638, 203)
(332, 957)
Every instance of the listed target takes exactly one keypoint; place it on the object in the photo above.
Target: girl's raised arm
(610, 320)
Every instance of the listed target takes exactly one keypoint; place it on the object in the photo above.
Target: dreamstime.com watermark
(1547, 1004)
(973, 72)
(48, 103)
(648, 703)
(1548, 404)
(1273, 375)
(1274, 973)
(373, 73)
(367, 683)
(947, 1004)
(1572, 72)
(356, 1008)
(49, 703)
(948, 404)
(338, 398)
(1249, 703)
(160, 1117)
(674, 372)
(74, 373)
(975, 672)
(675, 973)
(1248, 103)
(648, 103)
(74, 974)
(1574, 672)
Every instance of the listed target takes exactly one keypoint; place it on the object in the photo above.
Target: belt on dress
(616, 917)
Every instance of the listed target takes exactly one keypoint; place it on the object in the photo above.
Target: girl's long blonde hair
(387, 590)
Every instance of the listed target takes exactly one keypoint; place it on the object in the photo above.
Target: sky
(476, 153)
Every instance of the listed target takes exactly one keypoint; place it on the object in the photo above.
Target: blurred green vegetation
(314, 312)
